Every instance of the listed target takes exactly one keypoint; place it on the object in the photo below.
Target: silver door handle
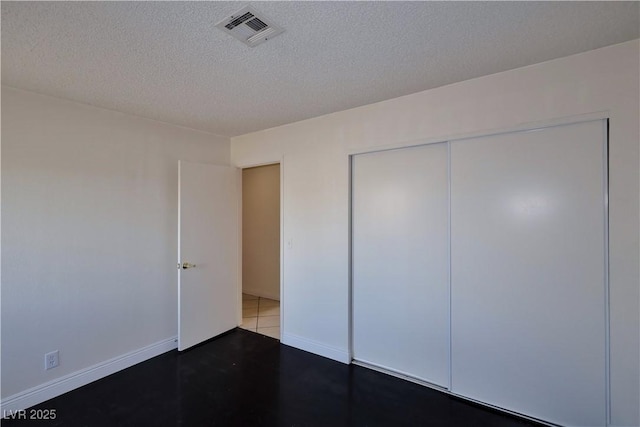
(186, 265)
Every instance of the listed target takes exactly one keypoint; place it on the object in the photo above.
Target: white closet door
(528, 272)
(400, 261)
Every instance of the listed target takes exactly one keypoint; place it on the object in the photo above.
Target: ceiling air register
(249, 26)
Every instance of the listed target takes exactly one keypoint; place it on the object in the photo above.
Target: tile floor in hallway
(261, 315)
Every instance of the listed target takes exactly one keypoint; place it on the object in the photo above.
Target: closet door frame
(350, 153)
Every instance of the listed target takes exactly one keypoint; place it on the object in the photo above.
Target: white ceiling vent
(249, 26)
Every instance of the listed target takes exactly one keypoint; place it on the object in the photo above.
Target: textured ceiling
(166, 61)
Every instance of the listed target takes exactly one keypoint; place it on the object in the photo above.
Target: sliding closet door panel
(400, 261)
(528, 272)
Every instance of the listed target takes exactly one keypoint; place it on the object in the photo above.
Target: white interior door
(401, 261)
(207, 252)
(528, 239)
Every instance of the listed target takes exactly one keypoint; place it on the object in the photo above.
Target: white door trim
(542, 124)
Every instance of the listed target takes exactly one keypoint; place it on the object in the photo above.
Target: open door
(207, 252)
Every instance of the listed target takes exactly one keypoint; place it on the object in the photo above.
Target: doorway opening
(261, 250)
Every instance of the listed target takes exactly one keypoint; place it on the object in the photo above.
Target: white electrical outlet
(51, 360)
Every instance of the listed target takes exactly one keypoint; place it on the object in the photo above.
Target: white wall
(316, 186)
(261, 231)
(89, 233)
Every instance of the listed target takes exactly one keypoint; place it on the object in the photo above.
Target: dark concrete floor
(246, 379)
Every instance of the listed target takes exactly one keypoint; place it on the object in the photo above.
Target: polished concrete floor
(246, 379)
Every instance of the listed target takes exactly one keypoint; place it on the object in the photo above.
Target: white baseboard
(335, 353)
(51, 389)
